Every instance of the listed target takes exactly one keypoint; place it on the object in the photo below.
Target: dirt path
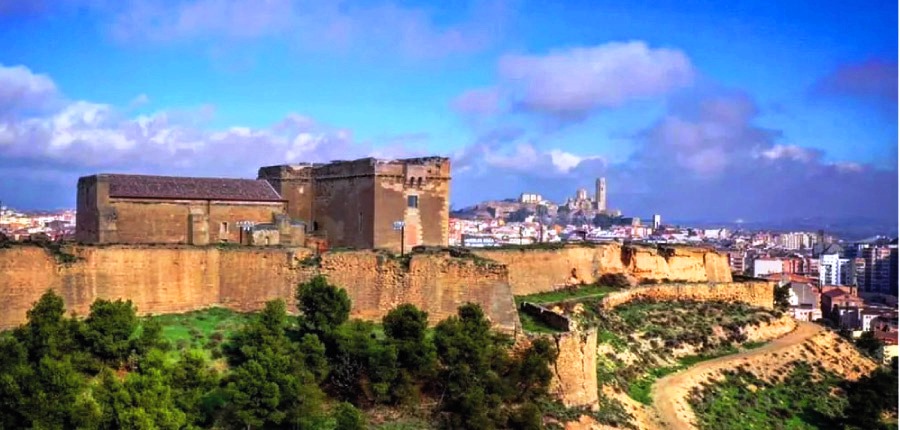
(670, 394)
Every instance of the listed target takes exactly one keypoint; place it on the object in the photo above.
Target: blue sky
(696, 110)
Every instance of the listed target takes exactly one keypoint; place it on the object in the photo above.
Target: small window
(412, 201)
(419, 182)
(224, 229)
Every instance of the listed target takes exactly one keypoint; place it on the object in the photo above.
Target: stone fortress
(347, 204)
(161, 242)
(166, 244)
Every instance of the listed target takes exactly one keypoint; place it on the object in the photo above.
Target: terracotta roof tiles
(173, 187)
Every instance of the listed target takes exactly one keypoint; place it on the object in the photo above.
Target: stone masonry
(354, 204)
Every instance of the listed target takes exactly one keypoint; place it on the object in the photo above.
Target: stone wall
(575, 371)
(165, 279)
(539, 270)
(756, 293)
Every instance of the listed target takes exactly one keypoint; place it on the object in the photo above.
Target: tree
(868, 343)
(324, 306)
(194, 384)
(405, 327)
(47, 331)
(270, 384)
(15, 372)
(52, 396)
(470, 374)
(532, 373)
(362, 367)
(869, 398)
(143, 399)
(108, 330)
(348, 417)
(782, 296)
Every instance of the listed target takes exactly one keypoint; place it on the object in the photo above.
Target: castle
(353, 204)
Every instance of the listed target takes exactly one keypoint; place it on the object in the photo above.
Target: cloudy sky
(694, 109)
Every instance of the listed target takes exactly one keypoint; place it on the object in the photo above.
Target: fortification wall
(575, 371)
(756, 293)
(166, 279)
(539, 270)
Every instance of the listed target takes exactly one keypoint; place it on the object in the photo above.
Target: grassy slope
(806, 399)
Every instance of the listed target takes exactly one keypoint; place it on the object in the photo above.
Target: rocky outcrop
(534, 270)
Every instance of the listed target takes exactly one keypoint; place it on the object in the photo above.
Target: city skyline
(766, 121)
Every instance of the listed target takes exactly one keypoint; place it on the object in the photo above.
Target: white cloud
(375, 28)
(80, 137)
(576, 81)
(20, 88)
(791, 152)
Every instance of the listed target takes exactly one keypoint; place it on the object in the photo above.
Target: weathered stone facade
(167, 279)
(575, 371)
(108, 213)
(355, 203)
(539, 270)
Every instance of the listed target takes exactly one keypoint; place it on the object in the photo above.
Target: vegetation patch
(318, 370)
(204, 330)
(808, 397)
(638, 341)
(568, 294)
(530, 324)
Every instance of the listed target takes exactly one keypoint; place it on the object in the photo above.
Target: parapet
(430, 167)
(288, 171)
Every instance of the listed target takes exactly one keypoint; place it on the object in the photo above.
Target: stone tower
(600, 194)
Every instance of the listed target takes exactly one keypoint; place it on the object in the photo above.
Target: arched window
(412, 181)
(419, 182)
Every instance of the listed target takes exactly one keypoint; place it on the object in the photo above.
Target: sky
(696, 110)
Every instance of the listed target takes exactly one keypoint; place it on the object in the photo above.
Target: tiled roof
(173, 187)
(835, 293)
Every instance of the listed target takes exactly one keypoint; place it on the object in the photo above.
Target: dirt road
(670, 394)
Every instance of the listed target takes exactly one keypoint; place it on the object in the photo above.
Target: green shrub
(347, 417)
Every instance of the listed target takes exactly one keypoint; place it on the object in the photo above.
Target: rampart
(534, 270)
(166, 279)
(756, 293)
(575, 371)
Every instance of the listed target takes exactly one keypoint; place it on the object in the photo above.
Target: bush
(324, 306)
(347, 417)
(108, 330)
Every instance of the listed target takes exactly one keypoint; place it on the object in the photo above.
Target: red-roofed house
(841, 306)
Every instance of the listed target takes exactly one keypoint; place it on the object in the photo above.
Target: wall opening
(412, 201)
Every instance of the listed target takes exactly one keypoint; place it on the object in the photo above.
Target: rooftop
(174, 187)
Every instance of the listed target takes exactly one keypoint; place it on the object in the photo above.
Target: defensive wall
(167, 279)
(574, 374)
(756, 293)
(536, 270)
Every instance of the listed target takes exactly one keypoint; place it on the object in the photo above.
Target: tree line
(318, 370)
